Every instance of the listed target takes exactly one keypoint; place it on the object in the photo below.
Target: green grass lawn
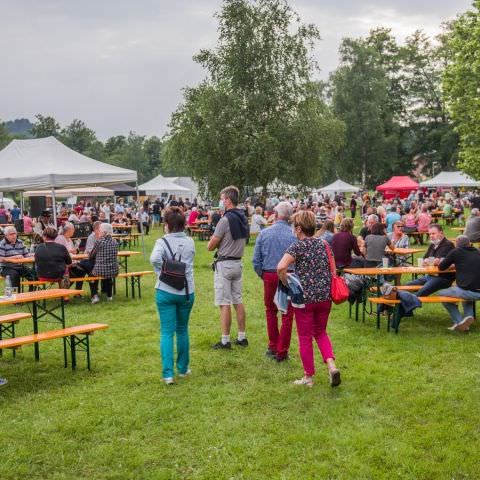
(407, 407)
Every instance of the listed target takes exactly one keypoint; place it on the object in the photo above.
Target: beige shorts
(228, 282)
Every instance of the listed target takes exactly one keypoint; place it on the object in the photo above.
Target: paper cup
(385, 262)
(419, 262)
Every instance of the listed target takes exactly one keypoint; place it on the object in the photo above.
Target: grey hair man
(11, 247)
(472, 228)
(270, 247)
(467, 265)
(371, 220)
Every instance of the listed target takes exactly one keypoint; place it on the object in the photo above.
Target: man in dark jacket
(467, 265)
(438, 249)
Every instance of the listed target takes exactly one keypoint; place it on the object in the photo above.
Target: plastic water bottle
(8, 287)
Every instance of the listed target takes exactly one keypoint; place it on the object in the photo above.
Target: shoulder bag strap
(169, 248)
(333, 268)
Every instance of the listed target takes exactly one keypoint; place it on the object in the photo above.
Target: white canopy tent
(72, 192)
(188, 183)
(163, 186)
(339, 186)
(47, 163)
(451, 179)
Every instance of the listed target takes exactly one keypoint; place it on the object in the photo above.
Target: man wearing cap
(44, 221)
(11, 247)
(270, 247)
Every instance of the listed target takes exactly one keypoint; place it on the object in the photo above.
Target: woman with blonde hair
(312, 268)
(258, 221)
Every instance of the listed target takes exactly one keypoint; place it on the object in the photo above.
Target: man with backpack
(229, 238)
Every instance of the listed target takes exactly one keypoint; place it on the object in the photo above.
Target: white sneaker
(307, 381)
(186, 374)
(109, 299)
(169, 381)
(95, 299)
(465, 324)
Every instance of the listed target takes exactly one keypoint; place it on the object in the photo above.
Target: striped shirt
(8, 249)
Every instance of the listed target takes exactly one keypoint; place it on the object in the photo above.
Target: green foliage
(239, 126)
(80, 138)
(45, 127)
(360, 97)
(391, 100)
(5, 137)
(462, 85)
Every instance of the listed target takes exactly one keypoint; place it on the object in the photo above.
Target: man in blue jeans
(467, 265)
(438, 249)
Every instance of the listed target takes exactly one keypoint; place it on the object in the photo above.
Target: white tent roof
(451, 179)
(160, 184)
(186, 182)
(48, 163)
(72, 192)
(339, 186)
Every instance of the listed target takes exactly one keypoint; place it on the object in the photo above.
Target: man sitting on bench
(438, 249)
(467, 265)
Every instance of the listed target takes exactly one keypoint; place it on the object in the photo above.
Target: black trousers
(16, 273)
(84, 267)
(107, 287)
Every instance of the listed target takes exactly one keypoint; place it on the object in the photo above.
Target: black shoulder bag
(174, 271)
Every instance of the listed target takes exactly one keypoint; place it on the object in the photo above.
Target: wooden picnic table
(458, 229)
(122, 226)
(407, 252)
(40, 309)
(123, 256)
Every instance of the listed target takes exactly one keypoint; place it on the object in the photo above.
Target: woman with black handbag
(172, 258)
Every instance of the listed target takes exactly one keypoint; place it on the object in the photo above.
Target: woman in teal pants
(174, 306)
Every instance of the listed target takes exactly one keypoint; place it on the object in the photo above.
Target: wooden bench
(75, 336)
(396, 303)
(202, 233)
(35, 284)
(403, 288)
(135, 279)
(7, 325)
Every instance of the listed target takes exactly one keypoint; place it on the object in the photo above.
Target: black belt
(223, 259)
(269, 271)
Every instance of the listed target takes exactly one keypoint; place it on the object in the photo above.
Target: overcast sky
(121, 65)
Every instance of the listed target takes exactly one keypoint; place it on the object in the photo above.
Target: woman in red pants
(312, 268)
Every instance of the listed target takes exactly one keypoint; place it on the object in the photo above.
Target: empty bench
(7, 325)
(77, 337)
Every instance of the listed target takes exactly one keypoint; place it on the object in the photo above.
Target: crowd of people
(291, 257)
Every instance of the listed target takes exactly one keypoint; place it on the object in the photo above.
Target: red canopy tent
(401, 186)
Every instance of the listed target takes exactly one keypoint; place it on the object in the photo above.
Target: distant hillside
(20, 126)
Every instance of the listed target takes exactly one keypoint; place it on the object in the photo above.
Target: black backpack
(174, 271)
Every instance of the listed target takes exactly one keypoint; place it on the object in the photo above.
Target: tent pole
(21, 204)
(54, 207)
(140, 222)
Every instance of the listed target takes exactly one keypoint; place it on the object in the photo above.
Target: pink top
(27, 224)
(67, 243)
(410, 220)
(192, 217)
(424, 220)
